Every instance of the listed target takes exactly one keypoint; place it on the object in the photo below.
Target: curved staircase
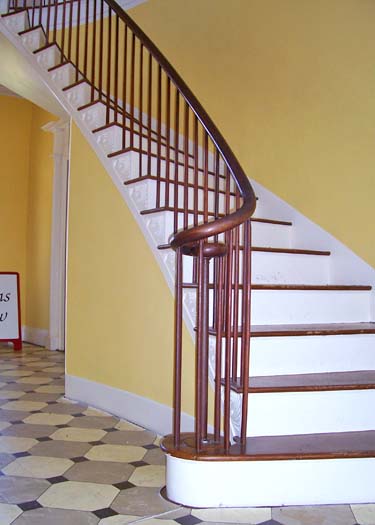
(288, 348)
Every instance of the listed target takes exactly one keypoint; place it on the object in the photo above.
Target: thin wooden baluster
(168, 140)
(78, 34)
(140, 119)
(196, 173)
(176, 178)
(186, 166)
(246, 320)
(109, 49)
(55, 13)
(205, 177)
(40, 13)
(93, 62)
(228, 338)
(149, 113)
(132, 89)
(101, 50)
(86, 44)
(47, 28)
(70, 30)
(199, 365)
(62, 30)
(219, 341)
(116, 67)
(32, 12)
(158, 143)
(124, 86)
(178, 351)
(236, 298)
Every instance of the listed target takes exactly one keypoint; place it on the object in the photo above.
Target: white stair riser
(312, 354)
(276, 268)
(263, 234)
(289, 413)
(270, 483)
(79, 95)
(34, 40)
(310, 306)
(63, 76)
(17, 22)
(273, 307)
(48, 57)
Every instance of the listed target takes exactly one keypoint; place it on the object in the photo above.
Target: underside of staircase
(302, 424)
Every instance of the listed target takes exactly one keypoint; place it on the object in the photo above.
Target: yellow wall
(120, 311)
(39, 220)
(14, 185)
(291, 85)
(25, 196)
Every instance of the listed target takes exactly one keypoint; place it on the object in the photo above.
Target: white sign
(9, 310)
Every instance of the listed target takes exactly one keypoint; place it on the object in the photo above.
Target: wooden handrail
(195, 175)
(242, 181)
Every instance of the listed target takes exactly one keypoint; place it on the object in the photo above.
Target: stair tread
(309, 446)
(312, 329)
(357, 444)
(327, 381)
(210, 214)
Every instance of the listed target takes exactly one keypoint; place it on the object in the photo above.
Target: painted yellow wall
(39, 220)
(15, 125)
(120, 310)
(25, 196)
(291, 85)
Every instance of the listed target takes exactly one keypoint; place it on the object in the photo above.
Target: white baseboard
(137, 409)
(36, 336)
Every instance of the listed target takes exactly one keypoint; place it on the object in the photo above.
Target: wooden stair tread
(309, 446)
(359, 444)
(287, 330)
(211, 214)
(354, 380)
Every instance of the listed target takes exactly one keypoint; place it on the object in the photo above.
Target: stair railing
(198, 182)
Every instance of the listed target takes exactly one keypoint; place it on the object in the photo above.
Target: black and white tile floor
(65, 463)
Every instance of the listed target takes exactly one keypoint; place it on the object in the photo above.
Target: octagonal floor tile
(48, 419)
(364, 514)
(60, 449)
(101, 422)
(120, 519)
(17, 373)
(11, 394)
(155, 456)
(12, 445)
(19, 490)
(4, 425)
(47, 516)
(125, 425)
(100, 472)
(29, 406)
(8, 513)
(75, 495)
(26, 430)
(33, 380)
(136, 437)
(316, 515)
(38, 467)
(235, 515)
(84, 435)
(121, 453)
(148, 476)
(142, 501)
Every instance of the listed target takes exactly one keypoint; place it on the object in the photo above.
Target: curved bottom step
(312, 469)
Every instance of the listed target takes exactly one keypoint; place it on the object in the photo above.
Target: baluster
(158, 143)
(228, 338)
(62, 30)
(178, 350)
(140, 120)
(124, 86)
(70, 30)
(132, 87)
(86, 44)
(108, 98)
(101, 42)
(176, 178)
(93, 63)
(78, 32)
(236, 292)
(149, 113)
(168, 141)
(219, 282)
(205, 177)
(246, 319)
(186, 165)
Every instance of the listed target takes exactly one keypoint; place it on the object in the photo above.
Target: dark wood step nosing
(31, 29)
(47, 46)
(336, 445)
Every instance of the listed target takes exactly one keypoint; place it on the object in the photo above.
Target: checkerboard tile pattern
(66, 463)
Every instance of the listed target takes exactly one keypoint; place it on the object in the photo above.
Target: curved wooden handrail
(236, 218)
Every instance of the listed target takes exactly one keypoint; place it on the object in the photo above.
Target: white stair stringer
(202, 483)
